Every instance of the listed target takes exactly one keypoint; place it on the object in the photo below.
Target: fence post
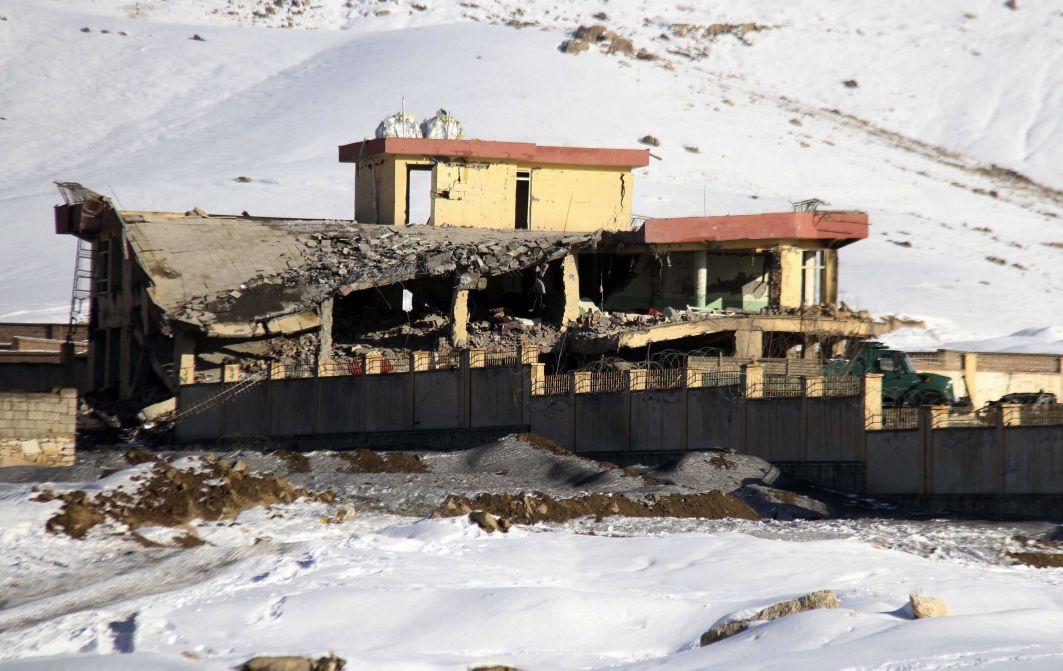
(411, 390)
(872, 387)
(1000, 445)
(421, 361)
(277, 371)
(572, 412)
(926, 441)
(374, 363)
(811, 387)
(187, 368)
(684, 428)
(537, 372)
(693, 378)
(752, 380)
(529, 354)
(1011, 413)
(637, 379)
(465, 402)
(230, 372)
(477, 357)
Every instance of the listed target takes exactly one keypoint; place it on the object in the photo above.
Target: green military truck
(901, 384)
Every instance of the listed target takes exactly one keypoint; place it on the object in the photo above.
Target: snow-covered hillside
(954, 103)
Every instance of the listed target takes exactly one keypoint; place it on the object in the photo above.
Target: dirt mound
(368, 461)
(544, 443)
(1038, 559)
(532, 508)
(297, 463)
(168, 496)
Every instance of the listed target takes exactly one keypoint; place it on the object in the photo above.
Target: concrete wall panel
(339, 404)
(601, 423)
(656, 420)
(773, 429)
(964, 461)
(1033, 460)
(496, 396)
(551, 416)
(205, 425)
(290, 410)
(436, 399)
(713, 419)
(894, 462)
(835, 429)
(384, 399)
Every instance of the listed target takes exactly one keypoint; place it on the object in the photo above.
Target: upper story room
(483, 184)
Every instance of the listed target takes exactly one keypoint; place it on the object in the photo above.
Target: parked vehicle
(1026, 398)
(901, 384)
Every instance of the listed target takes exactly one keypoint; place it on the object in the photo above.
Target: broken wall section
(38, 428)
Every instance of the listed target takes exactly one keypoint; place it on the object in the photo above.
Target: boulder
(484, 520)
(293, 663)
(824, 598)
(927, 606)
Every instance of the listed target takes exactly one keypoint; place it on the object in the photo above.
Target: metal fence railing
(900, 418)
(665, 378)
(842, 385)
(1041, 414)
(776, 386)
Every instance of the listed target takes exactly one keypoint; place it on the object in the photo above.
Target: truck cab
(901, 384)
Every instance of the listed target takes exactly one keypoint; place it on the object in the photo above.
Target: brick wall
(38, 427)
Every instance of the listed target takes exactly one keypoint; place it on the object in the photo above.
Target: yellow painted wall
(791, 260)
(580, 199)
(482, 194)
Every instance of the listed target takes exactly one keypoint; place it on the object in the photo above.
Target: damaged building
(454, 244)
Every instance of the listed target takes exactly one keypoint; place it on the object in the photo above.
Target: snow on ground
(400, 593)
(160, 121)
(405, 592)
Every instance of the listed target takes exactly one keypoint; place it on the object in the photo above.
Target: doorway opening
(522, 215)
(418, 194)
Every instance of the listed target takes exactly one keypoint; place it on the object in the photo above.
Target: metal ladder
(79, 297)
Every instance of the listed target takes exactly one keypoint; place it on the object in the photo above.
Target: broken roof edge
(527, 152)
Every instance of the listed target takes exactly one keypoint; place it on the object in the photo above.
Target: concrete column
(637, 379)
(477, 357)
(537, 372)
(812, 386)
(873, 402)
(753, 380)
(791, 280)
(186, 369)
(570, 280)
(939, 416)
(970, 378)
(701, 278)
(459, 318)
(1011, 414)
(749, 343)
(693, 378)
(374, 363)
(184, 357)
(421, 361)
(830, 276)
(324, 334)
(581, 382)
(529, 354)
(230, 372)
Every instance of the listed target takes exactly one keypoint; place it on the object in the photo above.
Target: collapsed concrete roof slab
(629, 336)
(235, 276)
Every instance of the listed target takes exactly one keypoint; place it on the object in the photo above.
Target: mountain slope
(161, 121)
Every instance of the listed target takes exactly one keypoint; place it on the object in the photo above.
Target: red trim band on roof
(767, 226)
(526, 152)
